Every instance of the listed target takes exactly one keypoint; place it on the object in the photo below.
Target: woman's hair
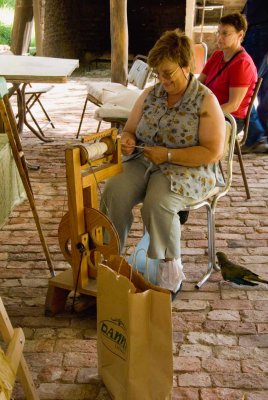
(173, 46)
(237, 20)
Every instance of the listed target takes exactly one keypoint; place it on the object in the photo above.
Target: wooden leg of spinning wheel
(55, 300)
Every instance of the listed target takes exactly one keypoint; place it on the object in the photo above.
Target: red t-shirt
(241, 72)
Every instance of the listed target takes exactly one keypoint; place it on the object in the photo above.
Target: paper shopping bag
(134, 329)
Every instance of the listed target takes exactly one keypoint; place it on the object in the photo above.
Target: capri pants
(143, 182)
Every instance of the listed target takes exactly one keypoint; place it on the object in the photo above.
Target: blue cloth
(256, 132)
(256, 44)
(263, 94)
(140, 261)
(256, 12)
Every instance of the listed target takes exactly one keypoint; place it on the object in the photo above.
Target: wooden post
(189, 18)
(22, 27)
(119, 41)
(38, 27)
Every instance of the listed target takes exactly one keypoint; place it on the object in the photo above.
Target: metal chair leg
(35, 98)
(28, 111)
(44, 111)
(240, 159)
(81, 120)
(99, 125)
(211, 246)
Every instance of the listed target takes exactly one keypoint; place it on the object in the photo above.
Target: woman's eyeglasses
(224, 34)
(166, 75)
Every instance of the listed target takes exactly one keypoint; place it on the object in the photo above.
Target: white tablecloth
(11, 188)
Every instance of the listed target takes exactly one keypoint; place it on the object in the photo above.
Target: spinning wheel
(96, 224)
(83, 228)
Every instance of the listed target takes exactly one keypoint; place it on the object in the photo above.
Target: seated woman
(173, 139)
(230, 72)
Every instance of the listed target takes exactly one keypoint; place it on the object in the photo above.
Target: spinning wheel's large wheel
(102, 235)
(64, 236)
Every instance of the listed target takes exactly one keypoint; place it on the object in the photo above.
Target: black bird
(236, 273)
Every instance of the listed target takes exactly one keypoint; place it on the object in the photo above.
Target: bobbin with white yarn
(92, 151)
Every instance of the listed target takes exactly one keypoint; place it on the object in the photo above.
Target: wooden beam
(22, 27)
(119, 41)
(38, 27)
(189, 17)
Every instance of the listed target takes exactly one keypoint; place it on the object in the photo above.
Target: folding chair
(241, 140)
(138, 76)
(12, 362)
(32, 96)
(213, 197)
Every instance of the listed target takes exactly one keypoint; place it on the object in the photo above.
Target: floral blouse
(177, 127)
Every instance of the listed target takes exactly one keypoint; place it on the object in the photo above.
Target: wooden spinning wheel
(83, 228)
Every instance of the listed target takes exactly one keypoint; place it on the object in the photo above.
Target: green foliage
(7, 3)
(5, 34)
(6, 20)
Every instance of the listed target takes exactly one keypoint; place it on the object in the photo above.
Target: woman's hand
(128, 142)
(156, 154)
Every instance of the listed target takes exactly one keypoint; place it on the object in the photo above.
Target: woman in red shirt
(230, 72)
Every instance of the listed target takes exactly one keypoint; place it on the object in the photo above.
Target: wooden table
(27, 69)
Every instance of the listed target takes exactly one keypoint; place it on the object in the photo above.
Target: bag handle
(223, 68)
(122, 259)
(134, 264)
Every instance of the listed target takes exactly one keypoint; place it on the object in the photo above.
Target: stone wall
(81, 28)
(147, 20)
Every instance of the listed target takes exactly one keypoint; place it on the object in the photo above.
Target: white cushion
(137, 78)
(125, 97)
(118, 105)
(95, 89)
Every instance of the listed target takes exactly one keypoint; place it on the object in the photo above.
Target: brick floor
(220, 331)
